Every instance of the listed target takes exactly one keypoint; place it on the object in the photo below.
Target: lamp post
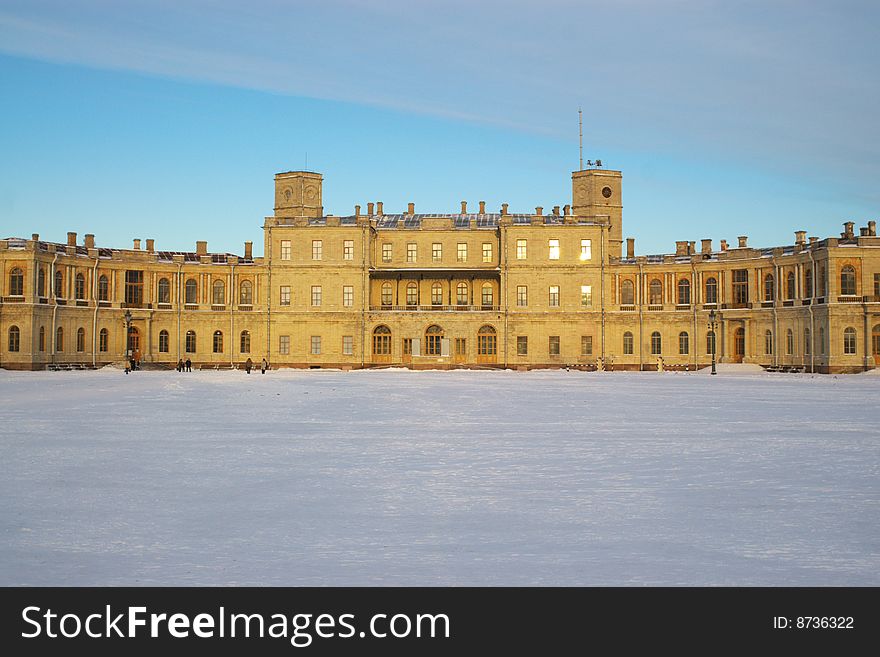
(127, 319)
(713, 324)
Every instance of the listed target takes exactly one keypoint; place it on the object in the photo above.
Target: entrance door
(875, 344)
(739, 344)
(134, 344)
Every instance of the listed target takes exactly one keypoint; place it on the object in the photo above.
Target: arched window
(103, 289)
(79, 287)
(245, 342)
(627, 296)
(163, 342)
(849, 341)
(164, 291)
(246, 293)
(711, 290)
(41, 340)
(769, 287)
(59, 284)
(684, 292)
(808, 282)
(191, 294)
(487, 294)
(655, 295)
(218, 295)
(436, 294)
(433, 340)
(59, 339)
(789, 285)
(789, 342)
(80, 339)
(486, 341)
(14, 338)
(627, 343)
(710, 342)
(768, 342)
(382, 341)
(41, 282)
(387, 297)
(848, 281)
(656, 343)
(808, 347)
(190, 345)
(103, 340)
(16, 282)
(683, 343)
(412, 294)
(218, 342)
(461, 294)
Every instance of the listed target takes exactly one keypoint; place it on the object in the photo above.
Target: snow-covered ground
(439, 478)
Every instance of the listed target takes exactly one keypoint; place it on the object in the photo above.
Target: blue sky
(167, 120)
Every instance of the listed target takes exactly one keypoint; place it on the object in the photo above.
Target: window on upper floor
(348, 296)
(554, 296)
(218, 293)
(348, 250)
(848, 281)
(553, 246)
(586, 250)
(769, 288)
(285, 295)
(522, 295)
(134, 287)
(164, 295)
(79, 287)
(711, 290)
(246, 293)
(436, 252)
(436, 294)
(521, 249)
(655, 292)
(317, 249)
(412, 294)
(586, 295)
(59, 284)
(316, 295)
(461, 254)
(386, 252)
(285, 249)
(387, 294)
(791, 293)
(627, 293)
(191, 291)
(487, 252)
(16, 282)
(486, 294)
(684, 292)
(740, 287)
(412, 252)
(461, 294)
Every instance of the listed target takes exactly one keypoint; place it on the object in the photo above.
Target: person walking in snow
(188, 365)
(264, 366)
(248, 365)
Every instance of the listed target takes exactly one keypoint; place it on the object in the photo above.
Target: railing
(437, 308)
(247, 307)
(190, 306)
(14, 299)
(789, 302)
(628, 308)
(710, 306)
(163, 306)
(82, 302)
(654, 308)
(217, 306)
(766, 304)
(849, 298)
(682, 306)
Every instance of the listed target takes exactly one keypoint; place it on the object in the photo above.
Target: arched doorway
(875, 344)
(739, 344)
(381, 344)
(487, 345)
(434, 341)
(134, 344)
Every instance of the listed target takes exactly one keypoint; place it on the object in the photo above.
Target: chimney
(539, 210)
(411, 208)
(691, 249)
(248, 250)
(71, 239)
(90, 241)
(864, 231)
(724, 245)
(357, 211)
(681, 248)
(630, 248)
(137, 244)
(370, 209)
(35, 237)
(201, 248)
(813, 240)
(705, 246)
(566, 210)
(872, 228)
(800, 237)
(503, 209)
(379, 208)
(555, 210)
(847, 230)
(464, 207)
(743, 241)
(482, 207)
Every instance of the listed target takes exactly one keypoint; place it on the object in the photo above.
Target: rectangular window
(316, 295)
(347, 295)
(348, 250)
(521, 250)
(317, 249)
(316, 345)
(285, 249)
(554, 296)
(284, 344)
(347, 345)
(134, 288)
(436, 252)
(487, 252)
(586, 295)
(407, 346)
(586, 345)
(586, 250)
(460, 346)
(522, 295)
(554, 249)
(411, 252)
(554, 345)
(462, 252)
(285, 295)
(877, 287)
(740, 287)
(386, 252)
(522, 345)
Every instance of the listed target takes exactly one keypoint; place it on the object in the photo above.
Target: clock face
(606, 192)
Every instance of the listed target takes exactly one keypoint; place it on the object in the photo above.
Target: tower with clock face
(595, 196)
(298, 194)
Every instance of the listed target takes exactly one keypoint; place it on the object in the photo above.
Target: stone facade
(465, 289)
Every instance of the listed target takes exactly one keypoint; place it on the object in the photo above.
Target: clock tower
(595, 196)
(298, 194)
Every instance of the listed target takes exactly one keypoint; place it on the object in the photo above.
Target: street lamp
(713, 324)
(127, 318)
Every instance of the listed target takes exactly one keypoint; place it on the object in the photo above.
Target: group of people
(184, 365)
(249, 365)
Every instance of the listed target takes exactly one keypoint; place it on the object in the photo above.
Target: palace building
(441, 290)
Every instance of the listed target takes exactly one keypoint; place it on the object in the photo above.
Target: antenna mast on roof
(581, 136)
